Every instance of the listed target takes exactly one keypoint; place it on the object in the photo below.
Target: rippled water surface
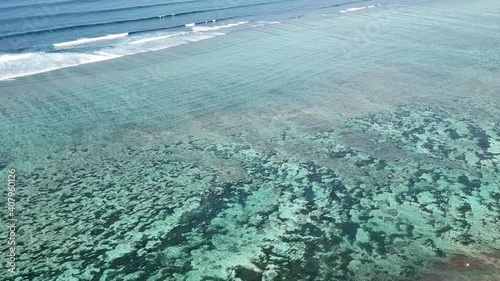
(344, 144)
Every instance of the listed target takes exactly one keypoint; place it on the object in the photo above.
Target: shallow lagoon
(354, 146)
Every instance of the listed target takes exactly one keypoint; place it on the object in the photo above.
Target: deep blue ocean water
(39, 36)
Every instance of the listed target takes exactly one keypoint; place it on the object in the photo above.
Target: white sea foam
(160, 42)
(190, 24)
(264, 23)
(12, 66)
(17, 65)
(146, 40)
(352, 10)
(88, 40)
(217, 27)
(44, 62)
(355, 9)
(9, 57)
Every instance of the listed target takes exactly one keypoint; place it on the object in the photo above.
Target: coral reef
(387, 196)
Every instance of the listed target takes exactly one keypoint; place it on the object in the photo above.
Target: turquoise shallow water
(336, 146)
